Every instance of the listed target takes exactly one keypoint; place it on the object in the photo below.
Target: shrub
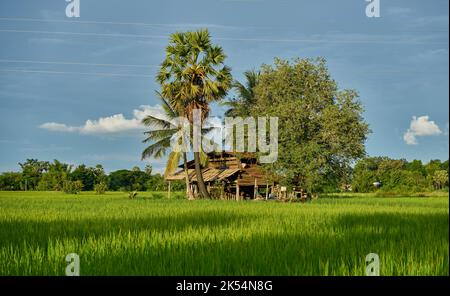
(72, 187)
(157, 195)
(44, 186)
(132, 194)
(100, 188)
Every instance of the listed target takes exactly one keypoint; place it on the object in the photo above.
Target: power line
(104, 22)
(88, 34)
(354, 41)
(25, 19)
(75, 63)
(75, 73)
(108, 74)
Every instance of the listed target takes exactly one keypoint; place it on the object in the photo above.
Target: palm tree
(246, 95)
(161, 136)
(193, 75)
(162, 133)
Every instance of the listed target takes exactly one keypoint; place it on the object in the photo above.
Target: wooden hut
(230, 175)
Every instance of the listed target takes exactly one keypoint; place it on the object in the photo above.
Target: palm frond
(157, 149)
(157, 135)
(172, 163)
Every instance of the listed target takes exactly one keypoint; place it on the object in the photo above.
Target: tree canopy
(321, 128)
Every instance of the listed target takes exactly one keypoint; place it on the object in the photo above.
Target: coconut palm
(246, 95)
(163, 131)
(192, 76)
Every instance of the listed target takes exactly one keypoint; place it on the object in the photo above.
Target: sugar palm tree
(246, 95)
(192, 76)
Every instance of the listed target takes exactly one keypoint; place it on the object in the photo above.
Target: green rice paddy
(114, 235)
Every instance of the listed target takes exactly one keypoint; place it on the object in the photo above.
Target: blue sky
(56, 73)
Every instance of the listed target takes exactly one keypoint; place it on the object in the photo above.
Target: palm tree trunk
(188, 182)
(198, 172)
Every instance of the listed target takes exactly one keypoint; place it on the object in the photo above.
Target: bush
(72, 187)
(44, 186)
(100, 188)
(157, 195)
(132, 194)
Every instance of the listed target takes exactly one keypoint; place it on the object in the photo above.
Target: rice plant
(114, 235)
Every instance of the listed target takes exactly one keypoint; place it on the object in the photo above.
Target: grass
(156, 236)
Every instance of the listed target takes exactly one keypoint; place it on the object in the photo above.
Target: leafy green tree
(120, 179)
(390, 173)
(432, 166)
(416, 166)
(398, 175)
(445, 166)
(139, 179)
(85, 175)
(365, 173)
(100, 175)
(32, 170)
(440, 179)
(193, 75)
(100, 188)
(321, 128)
(11, 181)
(156, 183)
(126, 180)
(55, 176)
(72, 187)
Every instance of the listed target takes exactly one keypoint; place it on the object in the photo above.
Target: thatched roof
(227, 165)
(209, 174)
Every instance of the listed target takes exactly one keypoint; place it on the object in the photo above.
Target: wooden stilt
(168, 192)
(237, 191)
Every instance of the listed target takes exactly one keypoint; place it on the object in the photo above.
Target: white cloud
(58, 127)
(410, 138)
(420, 127)
(113, 124)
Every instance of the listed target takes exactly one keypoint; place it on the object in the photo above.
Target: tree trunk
(188, 182)
(198, 171)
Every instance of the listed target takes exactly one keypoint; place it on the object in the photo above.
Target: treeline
(391, 175)
(58, 176)
(399, 175)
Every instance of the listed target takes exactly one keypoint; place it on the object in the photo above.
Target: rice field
(153, 235)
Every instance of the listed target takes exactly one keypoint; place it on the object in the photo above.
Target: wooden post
(237, 190)
(254, 190)
(267, 190)
(168, 192)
